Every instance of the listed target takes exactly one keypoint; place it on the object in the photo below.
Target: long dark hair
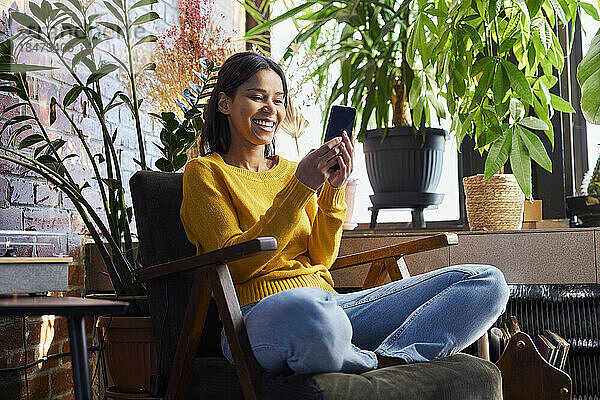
(236, 70)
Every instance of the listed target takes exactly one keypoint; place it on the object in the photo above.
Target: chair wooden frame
(212, 275)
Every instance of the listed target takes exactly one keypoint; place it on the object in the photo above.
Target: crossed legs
(432, 315)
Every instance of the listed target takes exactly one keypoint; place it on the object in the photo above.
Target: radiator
(572, 311)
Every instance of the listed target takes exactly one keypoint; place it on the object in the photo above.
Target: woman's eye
(256, 98)
(279, 101)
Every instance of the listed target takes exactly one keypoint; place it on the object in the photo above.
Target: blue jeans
(432, 315)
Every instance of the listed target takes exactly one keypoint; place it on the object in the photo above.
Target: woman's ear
(224, 103)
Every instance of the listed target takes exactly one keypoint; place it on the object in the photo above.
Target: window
(589, 28)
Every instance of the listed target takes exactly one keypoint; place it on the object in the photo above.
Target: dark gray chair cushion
(459, 377)
(156, 200)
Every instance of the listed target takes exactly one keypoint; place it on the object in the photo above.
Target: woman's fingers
(328, 146)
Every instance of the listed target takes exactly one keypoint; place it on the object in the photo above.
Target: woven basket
(495, 204)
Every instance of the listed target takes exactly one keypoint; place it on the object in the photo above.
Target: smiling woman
(240, 190)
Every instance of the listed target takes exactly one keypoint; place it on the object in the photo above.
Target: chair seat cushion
(460, 376)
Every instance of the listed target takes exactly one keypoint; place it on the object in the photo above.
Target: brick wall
(28, 202)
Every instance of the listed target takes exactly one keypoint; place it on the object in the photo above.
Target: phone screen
(341, 118)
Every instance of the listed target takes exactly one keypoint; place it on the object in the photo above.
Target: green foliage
(589, 80)
(368, 47)
(72, 34)
(178, 137)
(499, 58)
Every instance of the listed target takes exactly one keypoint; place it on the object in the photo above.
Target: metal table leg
(374, 213)
(79, 357)
(418, 221)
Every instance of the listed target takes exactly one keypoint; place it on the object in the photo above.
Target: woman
(295, 320)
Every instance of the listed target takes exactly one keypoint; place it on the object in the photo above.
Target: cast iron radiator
(572, 311)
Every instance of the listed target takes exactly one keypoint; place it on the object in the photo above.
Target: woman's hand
(314, 168)
(346, 162)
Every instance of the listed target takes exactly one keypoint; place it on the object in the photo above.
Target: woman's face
(256, 109)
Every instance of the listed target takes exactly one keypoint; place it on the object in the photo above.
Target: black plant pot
(403, 170)
(586, 208)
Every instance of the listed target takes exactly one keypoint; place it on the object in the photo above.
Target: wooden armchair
(186, 325)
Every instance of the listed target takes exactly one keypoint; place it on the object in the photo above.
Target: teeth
(269, 124)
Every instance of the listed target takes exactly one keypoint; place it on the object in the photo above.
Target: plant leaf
(18, 68)
(520, 163)
(560, 104)
(146, 39)
(498, 154)
(518, 82)
(101, 72)
(115, 12)
(535, 147)
(533, 123)
(142, 19)
(72, 95)
(142, 3)
(114, 27)
(30, 140)
(26, 21)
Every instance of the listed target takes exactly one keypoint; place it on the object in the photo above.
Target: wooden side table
(74, 309)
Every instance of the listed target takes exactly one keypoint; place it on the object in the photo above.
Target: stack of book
(553, 348)
(550, 345)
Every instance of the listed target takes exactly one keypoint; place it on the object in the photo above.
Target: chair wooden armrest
(220, 256)
(396, 250)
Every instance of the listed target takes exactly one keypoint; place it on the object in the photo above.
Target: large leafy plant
(500, 59)
(74, 36)
(368, 42)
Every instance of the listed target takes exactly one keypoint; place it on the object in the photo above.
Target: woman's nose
(268, 107)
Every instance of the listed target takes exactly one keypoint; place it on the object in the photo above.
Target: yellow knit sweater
(224, 205)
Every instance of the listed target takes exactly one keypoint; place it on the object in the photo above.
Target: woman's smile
(264, 124)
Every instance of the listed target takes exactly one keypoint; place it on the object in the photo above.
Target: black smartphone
(341, 118)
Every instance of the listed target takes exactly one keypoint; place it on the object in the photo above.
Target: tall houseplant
(500, 59)
(491, 63)
(369, 42)
(73, 34)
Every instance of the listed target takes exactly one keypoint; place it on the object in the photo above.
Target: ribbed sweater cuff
(296, 193)
(332, 198)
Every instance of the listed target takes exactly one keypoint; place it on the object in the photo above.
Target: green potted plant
(369, 42)
(499, 59)
(587, 206)
(73, 35)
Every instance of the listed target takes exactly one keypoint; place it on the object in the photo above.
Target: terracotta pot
(130, 352)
